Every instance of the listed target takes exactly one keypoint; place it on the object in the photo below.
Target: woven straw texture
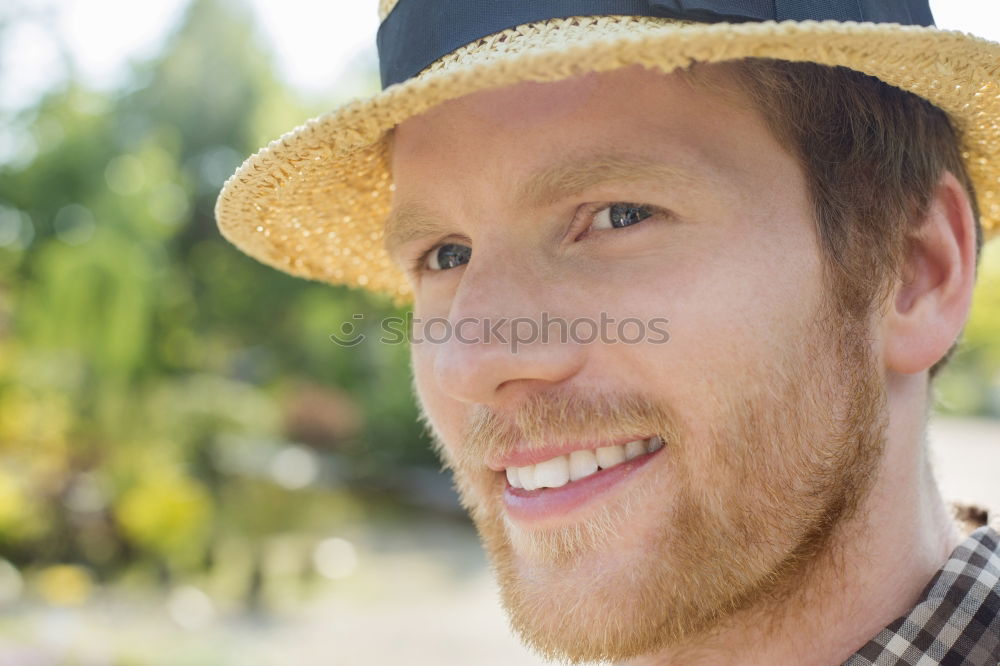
(313, 202)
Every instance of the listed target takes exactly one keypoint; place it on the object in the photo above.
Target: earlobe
(930, 305)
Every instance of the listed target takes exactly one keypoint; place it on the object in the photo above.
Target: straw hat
(313, 202)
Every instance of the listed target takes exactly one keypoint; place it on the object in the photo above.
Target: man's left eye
(619, 215)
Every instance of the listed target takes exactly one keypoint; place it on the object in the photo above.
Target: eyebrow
(412, 220)
(408, 222)
(574, 176)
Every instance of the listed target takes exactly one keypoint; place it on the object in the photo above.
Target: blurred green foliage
(160, 392)
(162, 396)
(970, 383)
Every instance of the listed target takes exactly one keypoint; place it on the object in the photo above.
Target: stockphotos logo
(515, 332)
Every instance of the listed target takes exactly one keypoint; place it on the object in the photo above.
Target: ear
(931, 304)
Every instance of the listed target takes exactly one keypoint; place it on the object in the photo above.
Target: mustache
(564, 415)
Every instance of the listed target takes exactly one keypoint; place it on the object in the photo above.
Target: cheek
(444, 414)
(735, 295)
(733, 314)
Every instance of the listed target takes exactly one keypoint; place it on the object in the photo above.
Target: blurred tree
(970, 384)
(137, 348)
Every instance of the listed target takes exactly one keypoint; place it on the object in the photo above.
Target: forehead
(494, 118)
(528, 124)
(493, 149)
(632, 95)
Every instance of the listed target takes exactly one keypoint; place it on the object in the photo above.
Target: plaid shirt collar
(957, 620)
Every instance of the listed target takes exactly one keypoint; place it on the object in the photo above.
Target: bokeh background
(191, 472)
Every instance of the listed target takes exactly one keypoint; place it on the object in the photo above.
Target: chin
(608, 584)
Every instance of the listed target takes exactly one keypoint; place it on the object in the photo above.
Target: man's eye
(619, 215)
(447, 256)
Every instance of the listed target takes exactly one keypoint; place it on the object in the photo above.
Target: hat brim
(313, 202)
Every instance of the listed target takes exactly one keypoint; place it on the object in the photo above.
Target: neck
(877, 564)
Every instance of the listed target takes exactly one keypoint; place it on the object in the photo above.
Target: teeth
(635, 448)
(526, 475)
(552, 473)
(609, 456)
(557, 472)
(581, 464)
(512, 477)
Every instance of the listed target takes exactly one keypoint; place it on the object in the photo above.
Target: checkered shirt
(957, 620)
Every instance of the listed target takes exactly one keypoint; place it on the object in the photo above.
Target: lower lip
(548, 503)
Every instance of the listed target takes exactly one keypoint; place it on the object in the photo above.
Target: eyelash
(589, 213)
(420, 262)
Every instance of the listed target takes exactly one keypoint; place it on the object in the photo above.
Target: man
(752, 486)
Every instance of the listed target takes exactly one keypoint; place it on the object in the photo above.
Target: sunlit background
(190, 471)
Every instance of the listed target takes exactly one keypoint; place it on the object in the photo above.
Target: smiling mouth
(553, 491)
(567, 469)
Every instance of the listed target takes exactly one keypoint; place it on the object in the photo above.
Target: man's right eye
(446, 256)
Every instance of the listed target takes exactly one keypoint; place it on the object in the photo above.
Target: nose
(505, 340)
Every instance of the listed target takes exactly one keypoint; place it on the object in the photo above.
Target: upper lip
(522, 457)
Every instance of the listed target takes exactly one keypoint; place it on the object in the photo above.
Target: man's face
(633, 195)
